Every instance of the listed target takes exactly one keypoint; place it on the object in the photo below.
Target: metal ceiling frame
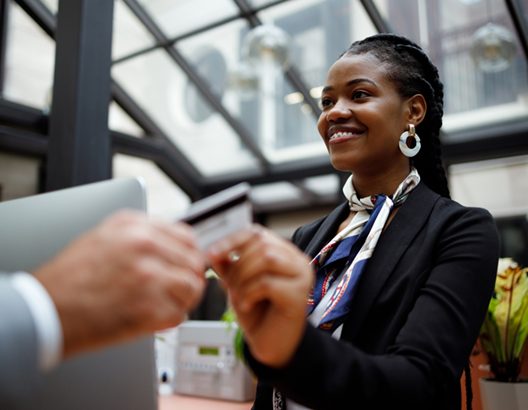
(26, 128)
(292, 74)
(22, 116)
(520, 24)
(173, 40)
(25, 132)
(182, 172)
(177, 166)
(382, 26)
(494, 141)
(22, 141)
(40, 14)
(245, 136)
(4, 21)
(79, 144)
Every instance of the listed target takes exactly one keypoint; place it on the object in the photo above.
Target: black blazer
(415, 317)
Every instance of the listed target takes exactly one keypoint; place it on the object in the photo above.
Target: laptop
(35, 228)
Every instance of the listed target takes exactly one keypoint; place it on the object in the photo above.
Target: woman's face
(362, 117)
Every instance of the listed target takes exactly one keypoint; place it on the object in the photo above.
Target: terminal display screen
(208, 351)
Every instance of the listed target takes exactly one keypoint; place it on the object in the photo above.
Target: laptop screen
(36, 228)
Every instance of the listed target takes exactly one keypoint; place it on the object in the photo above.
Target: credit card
(220, 214)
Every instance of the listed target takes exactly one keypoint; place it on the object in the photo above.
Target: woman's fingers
(270, 306)
(282, 291)
(257, 250)
(230, 249)
(268, 283)
(224, 254)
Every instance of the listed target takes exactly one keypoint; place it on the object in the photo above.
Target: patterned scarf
(345, 256)
(341, 262)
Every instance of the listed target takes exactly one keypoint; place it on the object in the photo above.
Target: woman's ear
(417, 108)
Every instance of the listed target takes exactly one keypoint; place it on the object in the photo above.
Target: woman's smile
(337, 135)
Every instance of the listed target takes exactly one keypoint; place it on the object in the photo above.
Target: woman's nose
(338, 111)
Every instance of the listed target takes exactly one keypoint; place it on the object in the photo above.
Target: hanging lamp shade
(267, 42)
(493, 48)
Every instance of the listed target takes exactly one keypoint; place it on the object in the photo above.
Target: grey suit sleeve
(18, 346)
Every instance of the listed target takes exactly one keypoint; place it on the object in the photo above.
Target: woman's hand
(268, 280)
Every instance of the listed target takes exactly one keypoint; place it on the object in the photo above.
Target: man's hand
(127, 277)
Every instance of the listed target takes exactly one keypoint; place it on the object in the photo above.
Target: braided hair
(412, 72)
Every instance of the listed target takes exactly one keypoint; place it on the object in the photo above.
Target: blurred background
(198, 95)
(203, 94)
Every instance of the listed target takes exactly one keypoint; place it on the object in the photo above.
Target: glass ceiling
(252, 108)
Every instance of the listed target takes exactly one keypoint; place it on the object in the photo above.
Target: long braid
(469, 390)
(414, 73)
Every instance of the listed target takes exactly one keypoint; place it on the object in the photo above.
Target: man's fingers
(182, 286)
(185, 289)
(178, 231)
(172, 243)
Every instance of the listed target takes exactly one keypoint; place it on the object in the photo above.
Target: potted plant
(504, 337)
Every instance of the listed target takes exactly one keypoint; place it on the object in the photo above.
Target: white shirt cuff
(45, 316)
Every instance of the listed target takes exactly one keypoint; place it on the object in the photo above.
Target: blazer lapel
(327, 230)
(393, 242)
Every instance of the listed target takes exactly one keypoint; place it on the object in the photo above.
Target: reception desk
(179, 402)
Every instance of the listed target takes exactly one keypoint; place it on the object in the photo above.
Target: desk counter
(179, 402)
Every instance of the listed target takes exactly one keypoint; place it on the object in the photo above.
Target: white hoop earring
(407, 138)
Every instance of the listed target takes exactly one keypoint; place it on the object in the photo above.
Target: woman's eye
(359, 94)
(326, 102)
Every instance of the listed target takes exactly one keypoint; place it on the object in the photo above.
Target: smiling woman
(400, 276)
(359, 118)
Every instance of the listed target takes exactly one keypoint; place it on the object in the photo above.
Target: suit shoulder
(451, 208)
(456, 219)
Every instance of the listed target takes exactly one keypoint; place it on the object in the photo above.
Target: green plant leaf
(521, 314)
(229, 316)
(504, 332)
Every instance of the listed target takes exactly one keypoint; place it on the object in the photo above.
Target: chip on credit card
(220, 214)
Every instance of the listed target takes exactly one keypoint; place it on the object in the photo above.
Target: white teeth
(341, 135)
